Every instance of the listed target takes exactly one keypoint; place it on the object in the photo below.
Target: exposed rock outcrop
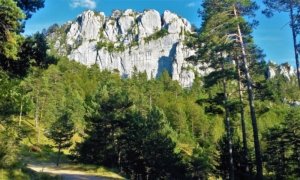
(129, 40)
(286, 70)
(271, 72)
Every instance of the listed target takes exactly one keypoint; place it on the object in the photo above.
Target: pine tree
(282, 147)
(249, 82)
(61, 133)
(242, 114)
(30, 7)
(292, 134)
(219, 44)
(147, 150)
(107, 111)
(275, 152)
(235, 24)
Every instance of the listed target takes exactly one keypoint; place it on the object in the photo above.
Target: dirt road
(65, 173)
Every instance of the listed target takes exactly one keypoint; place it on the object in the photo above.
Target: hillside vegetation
(232, 123)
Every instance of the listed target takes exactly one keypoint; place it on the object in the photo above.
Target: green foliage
(30, 7)
(10, 24)
(158, 34)
(103, 128)
(278, 6)
(16, 52)
(24, 174)
(61, 133)
(118, 136)
(58, 34)
(32, 53)
(134, 43)
(9, 151)
(151, 152)
(282, 147)
(110, 46)
(240, 161)
(112, 118)
(9, 95)
(144, 128)
(202, 164)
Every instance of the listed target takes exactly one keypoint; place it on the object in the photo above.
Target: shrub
(158, 34)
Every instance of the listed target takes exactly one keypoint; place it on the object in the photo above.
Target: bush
(159, 34)
(110, 47)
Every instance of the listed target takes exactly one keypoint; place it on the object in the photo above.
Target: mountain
(129, 41)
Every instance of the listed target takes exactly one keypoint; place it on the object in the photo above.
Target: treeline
(232, 123)
(143, 128)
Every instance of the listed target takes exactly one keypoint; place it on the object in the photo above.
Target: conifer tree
(242, 110)
(282, 147)
(29, 7)
(237, 12)
(235, 24)
(219, 44)
(61, 133)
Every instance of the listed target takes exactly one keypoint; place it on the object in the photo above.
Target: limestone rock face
(286, 70)
(111, 30)
(128, 41)
(148, 23)
(271, 72)
(126, 22)
(86, 27)
(174, 24)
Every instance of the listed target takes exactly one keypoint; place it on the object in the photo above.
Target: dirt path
(65, 173)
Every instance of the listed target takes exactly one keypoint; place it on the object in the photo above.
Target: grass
(25, 174)
(186, 148)
(46, 155)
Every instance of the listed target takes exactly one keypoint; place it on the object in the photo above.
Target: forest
(234, 123)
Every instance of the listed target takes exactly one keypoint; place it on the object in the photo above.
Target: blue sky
(272, 35)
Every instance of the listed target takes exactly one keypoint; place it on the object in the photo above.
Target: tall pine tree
(235, 26)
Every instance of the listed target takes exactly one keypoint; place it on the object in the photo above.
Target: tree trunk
(40, 118)
(258, 158)
(36, 114)
(295, 42)
(58, 155)
(21, 112)
(244, 133)
(150, 101)
(282, 174)
(297, 157)
(227, 124)
(39, 135)
(36, 120)
(119, 161)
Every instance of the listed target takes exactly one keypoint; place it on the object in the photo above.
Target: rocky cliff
(127, 41)
(285, 69)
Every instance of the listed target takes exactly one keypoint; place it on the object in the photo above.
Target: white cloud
(90, 4)
(191, 4)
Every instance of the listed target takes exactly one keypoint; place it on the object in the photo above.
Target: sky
(273, 35)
